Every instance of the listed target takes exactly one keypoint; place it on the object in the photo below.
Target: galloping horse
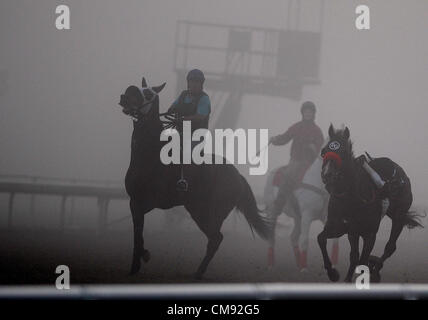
(355, 205)
(309, 204)
(214, 190)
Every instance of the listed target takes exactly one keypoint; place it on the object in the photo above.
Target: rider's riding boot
(182, 185)
(384, 191)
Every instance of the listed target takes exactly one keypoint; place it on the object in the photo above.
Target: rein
(170, 121)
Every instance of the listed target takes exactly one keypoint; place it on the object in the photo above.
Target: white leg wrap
(374, 175)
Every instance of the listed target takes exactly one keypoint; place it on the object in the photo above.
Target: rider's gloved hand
(361, 160)
(178, 121)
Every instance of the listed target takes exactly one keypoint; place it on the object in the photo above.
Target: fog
(59, 115)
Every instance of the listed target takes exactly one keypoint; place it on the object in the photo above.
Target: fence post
(72, 213)
(102, 214)
(62, 214)
(32, 204)
(10, 212)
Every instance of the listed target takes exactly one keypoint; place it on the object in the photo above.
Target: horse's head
(140, 103)
(336, 154)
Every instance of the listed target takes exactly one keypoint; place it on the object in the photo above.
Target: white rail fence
(103, 191)
(254, 291)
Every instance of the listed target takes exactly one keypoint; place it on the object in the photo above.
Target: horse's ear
(331, 131)
(346, 133)
(144, 83)
(159, 88)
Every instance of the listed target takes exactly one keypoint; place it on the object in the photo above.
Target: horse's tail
(412, 219)
(248, 206)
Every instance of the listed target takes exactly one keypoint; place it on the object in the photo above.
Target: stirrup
(182, 185)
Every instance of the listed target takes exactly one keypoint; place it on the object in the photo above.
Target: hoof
(135, 269)
(375, 277)
(375, 264)
(333, 275)
(197, 276)
(146, 256)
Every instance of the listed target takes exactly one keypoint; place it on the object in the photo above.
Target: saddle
(279, 179)
(391, 175)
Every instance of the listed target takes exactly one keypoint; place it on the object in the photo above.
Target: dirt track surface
(31, 256)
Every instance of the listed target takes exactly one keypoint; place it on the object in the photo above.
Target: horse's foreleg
(303, 239)
(369, 241)
(328, 233)
(353, 256)
(139, 251)
(294, 238)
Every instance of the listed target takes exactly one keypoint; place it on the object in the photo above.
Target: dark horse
(214, 190)
(355, 205)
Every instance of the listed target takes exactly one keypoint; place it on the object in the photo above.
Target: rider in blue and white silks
(192, 105)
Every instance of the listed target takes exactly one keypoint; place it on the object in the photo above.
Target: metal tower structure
(240, 60)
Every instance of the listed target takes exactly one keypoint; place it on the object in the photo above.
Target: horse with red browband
(356, 204)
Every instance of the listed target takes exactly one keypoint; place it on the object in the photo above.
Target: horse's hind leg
(294, 237)
(214, 240)
(397, 212)
(212, 230)
(397, 227)
(139, 251)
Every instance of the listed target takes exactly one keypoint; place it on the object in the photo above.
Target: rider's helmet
(308, 105)
(196, 74)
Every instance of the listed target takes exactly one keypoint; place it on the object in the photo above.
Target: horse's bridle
(332, 156)
(135, 111)
(169, 122)
(336, 176)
